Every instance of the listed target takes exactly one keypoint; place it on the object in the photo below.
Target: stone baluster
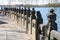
(26, 21)
(29, 21)
(33, 28)
(8, 13)
(17, 15)
(24, 17)
(39, 22)
(21, 15)
(33, 18)
(14, 13)
(4, 11)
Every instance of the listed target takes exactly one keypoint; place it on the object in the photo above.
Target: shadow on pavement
(18, 31)
(2, 15)
(1, 22)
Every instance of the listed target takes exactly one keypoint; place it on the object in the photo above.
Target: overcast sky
(39, 2)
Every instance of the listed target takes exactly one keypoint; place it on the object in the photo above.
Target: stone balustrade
(33, 22)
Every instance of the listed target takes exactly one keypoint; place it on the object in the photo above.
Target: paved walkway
(10, 30)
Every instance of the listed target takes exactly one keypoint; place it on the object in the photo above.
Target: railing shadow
(18, 31)
(2, 22)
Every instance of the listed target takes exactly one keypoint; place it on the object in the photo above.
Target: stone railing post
(29, 21)
(54, 35)
(9, 13)
(13, 13)
(39, 26)
(24, 17)
(21, 15)
(33, 28)
(17, 15)
(26, 21)
(5, 11)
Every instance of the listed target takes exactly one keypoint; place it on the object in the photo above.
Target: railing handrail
(54, 34)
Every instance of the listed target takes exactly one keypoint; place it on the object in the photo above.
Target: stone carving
(33, 17)
(39, 21)
(33, 13)
(28, 14)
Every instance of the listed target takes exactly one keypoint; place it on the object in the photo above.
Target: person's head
(52, 10)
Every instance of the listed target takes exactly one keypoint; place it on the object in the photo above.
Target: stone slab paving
(11, 30)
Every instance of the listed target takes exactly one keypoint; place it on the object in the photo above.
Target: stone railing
(54, 35)
(33, 23)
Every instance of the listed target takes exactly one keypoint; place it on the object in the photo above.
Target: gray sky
(38, 2)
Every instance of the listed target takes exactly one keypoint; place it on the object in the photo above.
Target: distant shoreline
(29, 5)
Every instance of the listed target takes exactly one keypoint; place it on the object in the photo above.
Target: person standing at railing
(51, 25)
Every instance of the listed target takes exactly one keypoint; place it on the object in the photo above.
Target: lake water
(45, 10)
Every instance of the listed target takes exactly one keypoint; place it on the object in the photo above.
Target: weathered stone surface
(11, 30)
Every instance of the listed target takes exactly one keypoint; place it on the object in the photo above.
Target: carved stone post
(33, 18)
(33, 28)
(25, 12)
(4, 11)
(26, 21)
(21, 15)
(39, 21)
(51, 25)
(11, 12)
(29, 21)
(17, 15)
(14, 13)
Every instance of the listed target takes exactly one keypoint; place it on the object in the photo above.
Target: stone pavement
(10, 30)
